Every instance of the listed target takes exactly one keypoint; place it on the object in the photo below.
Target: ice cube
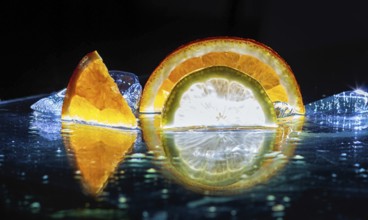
(129, 87)
(51, 104)
(46, 125)
(127, 82)
(345, 103)
(283, 109)
(347, 110)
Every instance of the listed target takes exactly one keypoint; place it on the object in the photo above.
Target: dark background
(324, 42)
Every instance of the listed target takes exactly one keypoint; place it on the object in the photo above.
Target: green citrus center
(218, 96)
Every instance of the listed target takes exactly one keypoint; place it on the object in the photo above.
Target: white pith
(218, 102)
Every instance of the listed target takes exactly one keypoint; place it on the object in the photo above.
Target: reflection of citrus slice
(92, 96)
(248, 56)
(97, 152)
(151, 127)
(218, 97)
(221, 162)
(217, 158)
(289, 130)
(198, 160)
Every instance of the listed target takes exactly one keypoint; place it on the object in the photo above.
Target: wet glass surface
(51, 170)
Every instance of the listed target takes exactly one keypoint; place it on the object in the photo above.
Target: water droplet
(233, 212)
(278, 208)
(145, 214)
(149, 176)
(298, 157)
(122, 199)
(35, 206)
(161, 157)
(137, 155)
(212, 209)
(151, 170)
(271, 198)
(286, 199)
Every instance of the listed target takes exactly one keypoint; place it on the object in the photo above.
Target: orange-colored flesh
(93, 96)
(97, 152)
(260, 71)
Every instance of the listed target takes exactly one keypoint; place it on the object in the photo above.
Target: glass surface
(53, 170)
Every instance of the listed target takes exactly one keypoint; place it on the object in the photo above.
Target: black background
(324, 42)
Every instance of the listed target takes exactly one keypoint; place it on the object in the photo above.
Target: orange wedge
(248, 56)
(97, 151)
(93, 97)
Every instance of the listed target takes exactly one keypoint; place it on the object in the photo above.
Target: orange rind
(245, 55)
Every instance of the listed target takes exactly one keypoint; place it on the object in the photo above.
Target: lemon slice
(218, 97)
(93, 97)
(248, 56)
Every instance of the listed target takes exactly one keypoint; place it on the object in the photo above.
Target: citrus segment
(217, 96)
(97, 151)
(245, 55)
(92, 96)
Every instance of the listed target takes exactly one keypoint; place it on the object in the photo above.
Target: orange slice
(245, 55)
(97, 151)
(92, 96)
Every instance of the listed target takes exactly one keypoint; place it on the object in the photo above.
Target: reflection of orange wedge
(97, 152)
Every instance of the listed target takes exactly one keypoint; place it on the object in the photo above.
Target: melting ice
(127, 82)
(346, 110)
(51, 104)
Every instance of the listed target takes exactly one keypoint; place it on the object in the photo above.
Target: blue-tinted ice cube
(46, 125)
(344, 103)
(346, 110)
(129, 87)
(51, 104)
